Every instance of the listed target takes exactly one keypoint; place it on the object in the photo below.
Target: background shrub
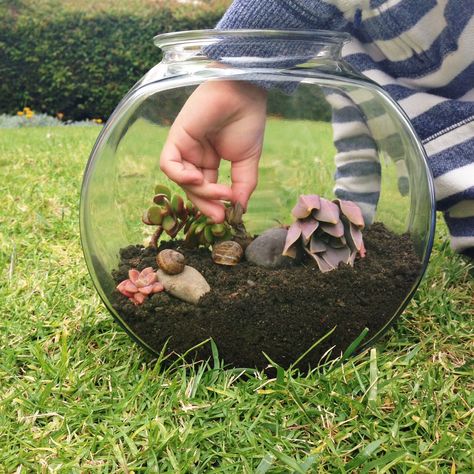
(79, 59)
(82, 63)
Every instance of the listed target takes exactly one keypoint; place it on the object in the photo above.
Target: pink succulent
(329, 231)
(140, 284)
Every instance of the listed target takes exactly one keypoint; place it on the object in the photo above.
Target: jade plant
(139, 285)
(329, 231)
(170, 214)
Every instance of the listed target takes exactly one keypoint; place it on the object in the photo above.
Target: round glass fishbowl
(336, 235)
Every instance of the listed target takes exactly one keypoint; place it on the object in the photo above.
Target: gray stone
(266, 249)
(189, 285)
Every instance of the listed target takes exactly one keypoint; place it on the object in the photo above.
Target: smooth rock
(266, 249)
(189, 285)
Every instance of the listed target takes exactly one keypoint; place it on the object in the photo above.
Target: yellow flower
(98, 120)
(20, 113)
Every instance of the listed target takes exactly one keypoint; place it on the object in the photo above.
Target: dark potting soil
(251, 310)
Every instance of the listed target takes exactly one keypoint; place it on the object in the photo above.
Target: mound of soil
(283, 312)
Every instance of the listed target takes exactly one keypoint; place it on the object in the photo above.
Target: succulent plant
(139, 285)
(233, 216)
(329, 231)
(201, 230)
(171, 215)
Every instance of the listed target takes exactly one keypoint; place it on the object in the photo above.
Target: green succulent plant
(329, 231)
(171, 214)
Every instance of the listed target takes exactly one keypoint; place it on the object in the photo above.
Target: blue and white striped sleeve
(421, 53)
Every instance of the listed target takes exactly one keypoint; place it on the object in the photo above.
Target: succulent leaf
(162, 189)
(161, 199)
(168, 223)
(200, 227)
(208, 235)
(352, 211)
(335, 256)
(362, 250)
(177, 204)
(145, 219)
(130, 286)
(174, 231)
(354, 237)
(322, 264)
(328, 212)
(139, 298)
(337, 242)
(294, 233)
(306, 203)
(218, 230)
(335, 230)
(157, 287)
(317, 245)
(146, 278)
(308, 227)
(133, 275)
(234, 214)
(146, 290)
(154, 215)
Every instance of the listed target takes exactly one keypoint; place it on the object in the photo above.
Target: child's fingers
(171, 163)
(212, 191)
(211, 208)
(244, 176)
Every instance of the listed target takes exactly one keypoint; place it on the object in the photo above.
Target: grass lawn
(77, 396)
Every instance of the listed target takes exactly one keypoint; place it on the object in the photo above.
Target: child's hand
(220, 120)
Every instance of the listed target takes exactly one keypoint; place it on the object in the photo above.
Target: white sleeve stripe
(363, 184)
(380, 77)
(403, 47)
(461, 209)
(419, 103)
(452, 65)
(366, 154)
(461, 243)
(349, 129)
(354, 47)
(454, 181)
(339, 101)
(468, 96)
(450, 139)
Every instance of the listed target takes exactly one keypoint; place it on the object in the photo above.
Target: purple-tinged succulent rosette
(329, 231)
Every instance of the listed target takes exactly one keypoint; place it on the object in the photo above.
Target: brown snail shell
(170, 261)
(227, 253)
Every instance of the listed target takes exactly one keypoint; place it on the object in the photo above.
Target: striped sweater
(422, 53)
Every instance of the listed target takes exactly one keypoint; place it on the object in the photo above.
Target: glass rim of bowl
(212, 35)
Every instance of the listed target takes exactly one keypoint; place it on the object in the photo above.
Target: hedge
(82, 64)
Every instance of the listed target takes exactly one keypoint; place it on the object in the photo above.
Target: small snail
(170, 261)
(227, 253)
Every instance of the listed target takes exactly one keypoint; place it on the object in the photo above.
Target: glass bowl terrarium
(336, 235)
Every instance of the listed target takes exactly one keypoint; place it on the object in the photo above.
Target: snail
(227, 253)
(170, 261)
